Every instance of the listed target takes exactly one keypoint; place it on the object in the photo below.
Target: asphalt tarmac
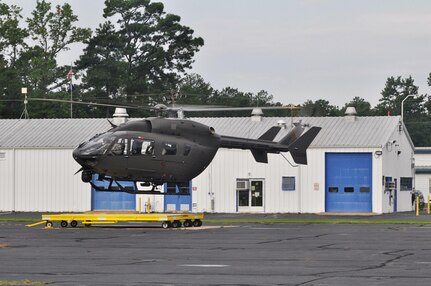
(239, 254)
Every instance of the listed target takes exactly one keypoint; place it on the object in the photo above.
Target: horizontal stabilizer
(270, 134)
(298, 149)
(260, 156)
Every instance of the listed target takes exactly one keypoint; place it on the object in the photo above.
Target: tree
(193, 89)
(320, 107)
(36, 63)
(12, 42)
(144, 54)
(415, 116)
(11, 34)
(363, 108)
(397, 89)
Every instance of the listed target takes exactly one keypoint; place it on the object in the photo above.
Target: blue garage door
(111, 200)
(348, 182)
(177, 203)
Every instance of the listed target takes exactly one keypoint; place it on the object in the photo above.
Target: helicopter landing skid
(130, 190)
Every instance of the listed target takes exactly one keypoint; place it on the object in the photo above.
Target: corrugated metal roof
(61, 133)
(336, 131)
(68, 133)
(423, 150)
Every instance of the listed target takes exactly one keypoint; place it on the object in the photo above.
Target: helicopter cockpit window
(119, 147)
(141, 147)
(169, 149)
(97, 145)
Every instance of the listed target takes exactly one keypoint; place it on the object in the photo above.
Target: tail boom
(296, 142)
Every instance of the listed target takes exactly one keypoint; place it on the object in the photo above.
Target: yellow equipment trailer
(168, 220)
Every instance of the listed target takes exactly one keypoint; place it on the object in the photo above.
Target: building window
(2, 155)
(406, 183)
(288, 183)
(243, 193)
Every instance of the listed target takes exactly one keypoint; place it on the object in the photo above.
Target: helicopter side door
(142, 154)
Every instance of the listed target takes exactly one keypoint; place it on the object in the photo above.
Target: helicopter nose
(83, 159)
(77, 155)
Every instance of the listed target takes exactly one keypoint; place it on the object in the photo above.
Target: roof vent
(350, 114)
(256, 114)
(120, 116)
(350, 111)
(281, 123)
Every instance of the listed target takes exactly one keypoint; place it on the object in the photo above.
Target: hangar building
(423, 170)
(355, 164)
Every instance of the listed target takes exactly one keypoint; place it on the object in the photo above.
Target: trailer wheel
(188, 223)
(49, 224)
(176, 224)
(166, 224)
(63, 223)
(197, 223)
(73, 223)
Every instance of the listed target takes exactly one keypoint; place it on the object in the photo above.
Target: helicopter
(159, 150)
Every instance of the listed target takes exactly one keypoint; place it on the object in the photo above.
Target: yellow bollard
(429, 206)
(417, 206)
(140, 205)
(149, 205)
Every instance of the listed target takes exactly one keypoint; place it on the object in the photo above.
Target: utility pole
(24, 112)
(70, 78)
(402, 106)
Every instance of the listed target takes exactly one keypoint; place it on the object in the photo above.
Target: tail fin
(270, 134)
(261, 156)
(298, 149)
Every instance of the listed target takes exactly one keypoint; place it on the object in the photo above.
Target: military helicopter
(159, 150)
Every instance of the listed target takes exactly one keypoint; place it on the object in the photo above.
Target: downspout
(13, 180)
(299, 190)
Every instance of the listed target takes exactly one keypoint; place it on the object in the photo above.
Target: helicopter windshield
(97, 145)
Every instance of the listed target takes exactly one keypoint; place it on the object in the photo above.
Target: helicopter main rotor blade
(162, 107)
(199, 109)
(87, 103)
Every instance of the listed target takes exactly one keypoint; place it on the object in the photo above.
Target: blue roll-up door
(111, 200)
(348, 186)
(177, 203)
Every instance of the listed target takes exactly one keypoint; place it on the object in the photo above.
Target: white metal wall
(219, 181)
(422, 181)
(44, 180)
(6, 180)
(397, 163)
(313, 179)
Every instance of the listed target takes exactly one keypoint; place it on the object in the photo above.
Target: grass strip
(279, 220)
(24, 282)
(20, 219)
(315, 221)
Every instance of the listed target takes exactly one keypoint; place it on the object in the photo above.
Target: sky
(297, 50)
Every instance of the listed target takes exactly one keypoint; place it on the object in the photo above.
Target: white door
(250, 195)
